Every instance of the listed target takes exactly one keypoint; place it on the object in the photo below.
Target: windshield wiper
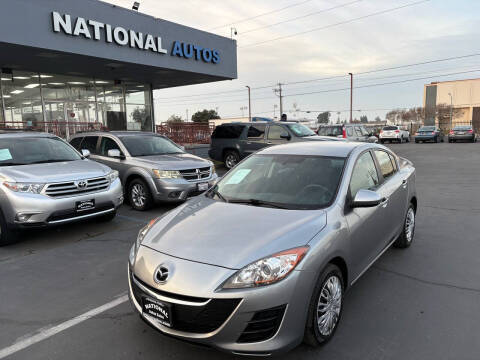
(49, 161)
(257, 202)
(220, 196)
(12, 164)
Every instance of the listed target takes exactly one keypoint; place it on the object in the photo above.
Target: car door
(394, 190)
(106, 144)
(274, 136)
(255, 138)
(367, 233)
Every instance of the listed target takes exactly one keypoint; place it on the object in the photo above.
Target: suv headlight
(112, 176)
(268, 270)
(212, 169)
(32, 188)
(141, 235)
(167, 174)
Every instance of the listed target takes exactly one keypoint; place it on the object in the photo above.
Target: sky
(337, 37)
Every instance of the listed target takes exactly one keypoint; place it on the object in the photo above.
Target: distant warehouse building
(450, 103)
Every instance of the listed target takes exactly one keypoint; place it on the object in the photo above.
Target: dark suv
(235, 141)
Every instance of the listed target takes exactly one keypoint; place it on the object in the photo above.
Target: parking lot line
(51, 331)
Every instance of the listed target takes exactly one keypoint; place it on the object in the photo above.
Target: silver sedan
(261, 262)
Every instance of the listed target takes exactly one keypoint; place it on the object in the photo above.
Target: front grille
(263, 326)
(71, 188)
(196, 174)
(193, 319)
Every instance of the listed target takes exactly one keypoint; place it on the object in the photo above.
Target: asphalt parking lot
(419, 303)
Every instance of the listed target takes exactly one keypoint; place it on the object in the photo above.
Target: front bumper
(289, 299)
(174, 190)
(47, 211)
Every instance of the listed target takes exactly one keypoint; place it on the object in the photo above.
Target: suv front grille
(196, 174)
(263, 326)
(72, 188)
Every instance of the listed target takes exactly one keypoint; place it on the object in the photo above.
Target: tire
(408, 232)
(109, 217)
(313, 332)
(435, 140)
(7, 235)
(382, 141)
(139, 195)
(231, 158)
(408, 139)
(416, 141)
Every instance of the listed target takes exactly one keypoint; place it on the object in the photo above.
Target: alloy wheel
(329, 305)
(230, 161)
(139, 196)
(410, 225)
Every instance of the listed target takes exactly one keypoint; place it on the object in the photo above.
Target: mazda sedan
(262, 261)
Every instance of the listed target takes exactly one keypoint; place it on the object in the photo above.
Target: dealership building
(86, 64)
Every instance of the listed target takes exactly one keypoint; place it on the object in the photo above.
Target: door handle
(404, 184)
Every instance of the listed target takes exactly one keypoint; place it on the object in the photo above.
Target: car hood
(55, 172)
(231, 235)
(174, 161)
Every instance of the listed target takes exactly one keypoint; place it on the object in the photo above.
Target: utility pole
(249, 105)
(351, 97)
(187, 116)
(451, 111)
(278, 92)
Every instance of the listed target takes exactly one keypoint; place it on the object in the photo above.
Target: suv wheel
(7, 236)
(231, 158)
(139, 195)
(325, 308)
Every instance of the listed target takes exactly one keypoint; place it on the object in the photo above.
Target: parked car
(45, 182)
(394, 133)
(152, 167)
(352, 132)
(235, 141)
(429, 133)
(462, 132)
(263, 260)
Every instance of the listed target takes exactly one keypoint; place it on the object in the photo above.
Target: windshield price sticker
(5, 155)
(238, 177)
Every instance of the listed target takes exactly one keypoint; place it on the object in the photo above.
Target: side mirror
(366, 198)
(86, 153)
(114, 153)
(285, 136)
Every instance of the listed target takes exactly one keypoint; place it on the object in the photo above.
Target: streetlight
(351, 97)
(233, 31)
(249, 105)
(451, 110)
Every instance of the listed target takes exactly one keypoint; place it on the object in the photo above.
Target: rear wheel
(139, 195)
(7, 235)
(231, 158)
(326, 307)
(435, 139)
(406, 237)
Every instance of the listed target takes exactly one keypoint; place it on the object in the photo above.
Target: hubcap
(230, 161)
(329, 305)
(138, 195)
(410, 224)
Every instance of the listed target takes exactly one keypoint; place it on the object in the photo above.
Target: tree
(377, 119)
(364, 119)
(139, 114)
(323, 118)
(205, 115)
(444, 114)
(174, 119)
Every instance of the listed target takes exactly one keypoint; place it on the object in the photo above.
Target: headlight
(267, 270)
(24, 187)
(112, 176)
(212, 169)
(166, 174)
(141, 235)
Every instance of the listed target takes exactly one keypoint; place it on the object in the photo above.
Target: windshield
(287, 181)
(148, 145)
(427, 128)
(330, 130)
(32, 150)
(300, 130)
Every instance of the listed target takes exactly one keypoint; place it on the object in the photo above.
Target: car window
(275, 131)
(300, 130)
(390, 128)
(385, 163)
(90, 143)
(108, 144)
(358, 131)
(76, 142)
(256, 131)
(364, 174)
(330, 130)
(394, 162)
(150, 145)
(364, 131)
(227, 131)
(349, 131)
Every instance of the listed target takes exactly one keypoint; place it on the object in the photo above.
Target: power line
(301, 17)
(336, 24)
(260, 15)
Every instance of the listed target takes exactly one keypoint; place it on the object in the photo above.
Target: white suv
(394, 133)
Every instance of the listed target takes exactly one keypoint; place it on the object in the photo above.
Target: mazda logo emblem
(81, 184)
(161, 275)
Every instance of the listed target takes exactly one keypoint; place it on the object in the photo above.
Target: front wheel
(7, 235)
(326, 306)
(406, 237)
(139, 195)
(231, 159)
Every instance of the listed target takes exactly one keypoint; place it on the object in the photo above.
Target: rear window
(427, 128)
(464, 127)
(330, 131)
(227, 131)
(389, 128)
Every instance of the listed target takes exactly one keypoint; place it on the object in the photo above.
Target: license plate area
(158, 310)
(202, 186)
(85, 205)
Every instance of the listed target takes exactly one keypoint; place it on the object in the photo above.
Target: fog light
(174, 195)
(21, 217)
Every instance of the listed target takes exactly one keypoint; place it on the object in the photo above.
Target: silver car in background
(45, 182)
(152, 167)
(262, 261)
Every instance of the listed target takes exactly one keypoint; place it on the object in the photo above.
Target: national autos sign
(98, 31)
